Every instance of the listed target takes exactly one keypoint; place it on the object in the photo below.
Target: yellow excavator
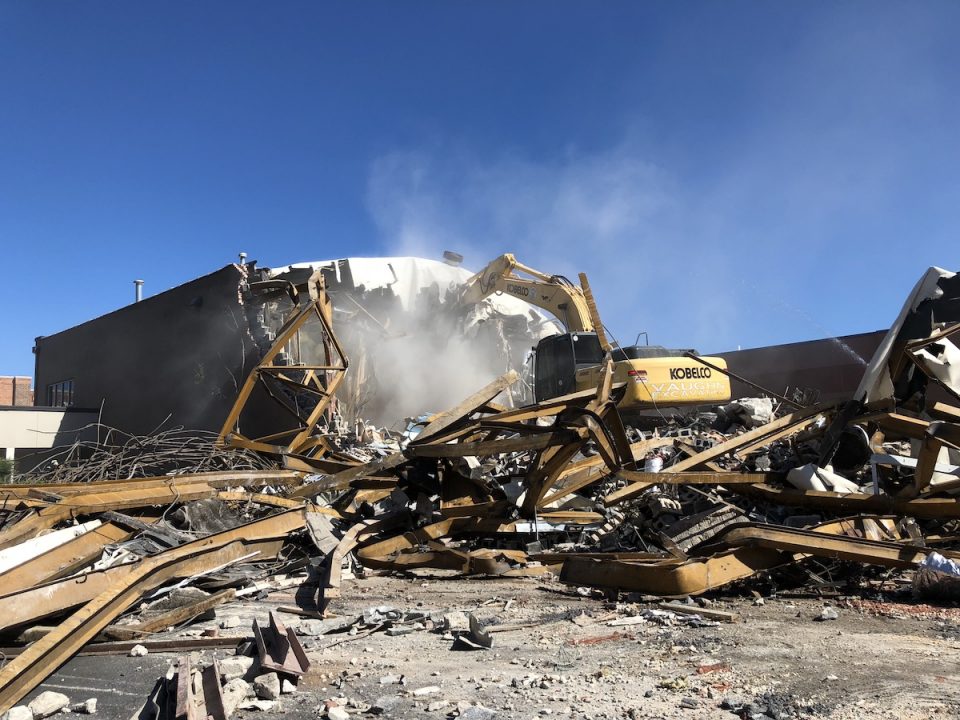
(656, 377)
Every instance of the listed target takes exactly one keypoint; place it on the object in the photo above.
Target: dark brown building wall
(832, 366)
(174, 359)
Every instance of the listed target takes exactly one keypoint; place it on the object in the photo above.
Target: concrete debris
(48, 703)
(18, 712)
(287, 687)
(337, 713)
(477, 712)
(138, 651)
(235, 692)
(386, 704)
(87, 707)
(828, 613)
(235, 666)
(267, 686)
(260, 705)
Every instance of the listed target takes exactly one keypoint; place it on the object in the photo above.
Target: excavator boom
(572, 361)
(553, 293)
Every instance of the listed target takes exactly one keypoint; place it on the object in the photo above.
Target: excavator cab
(571, 362)
(557, 360)
(655, 376)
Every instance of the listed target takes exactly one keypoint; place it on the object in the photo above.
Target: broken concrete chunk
(236, 666)
(87, 707)
(455, 620)
(19, 712)
(267, 686)
(400, 630)
(428, 690)
(337, 713)
(138, 651)
(312, 627)
(828, 613)
(261, 705)
(386, 704)
(32, 634)
(48, 703)
(234, 693)
(477, 712)
(287, 687)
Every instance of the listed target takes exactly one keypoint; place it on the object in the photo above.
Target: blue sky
(727, 173)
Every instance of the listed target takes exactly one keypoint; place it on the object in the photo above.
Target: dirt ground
(874, 660)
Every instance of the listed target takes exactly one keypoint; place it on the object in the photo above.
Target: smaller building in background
(28, 434)
(15, 391)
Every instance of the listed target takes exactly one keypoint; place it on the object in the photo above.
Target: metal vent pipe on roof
(139, 290)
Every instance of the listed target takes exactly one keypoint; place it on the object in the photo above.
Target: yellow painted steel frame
(670, 578)
(320, 381)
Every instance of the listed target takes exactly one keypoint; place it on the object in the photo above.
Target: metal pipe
(138, 293)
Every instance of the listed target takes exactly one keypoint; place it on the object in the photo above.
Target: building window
(60, 394)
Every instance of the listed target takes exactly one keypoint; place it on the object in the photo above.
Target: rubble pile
(764, 490)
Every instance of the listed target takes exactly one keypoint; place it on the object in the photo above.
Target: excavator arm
(574, 360)
(553, 293)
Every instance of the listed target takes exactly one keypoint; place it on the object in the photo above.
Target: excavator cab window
(586, 349)
(558, 359)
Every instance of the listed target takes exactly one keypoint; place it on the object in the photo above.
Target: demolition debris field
(770, 557)
(573, 661)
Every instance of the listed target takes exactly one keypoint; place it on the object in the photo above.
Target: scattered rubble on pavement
(176, 545)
